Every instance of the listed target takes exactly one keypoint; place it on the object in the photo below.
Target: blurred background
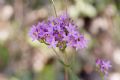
(22, 59)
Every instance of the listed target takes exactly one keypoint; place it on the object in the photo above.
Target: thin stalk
(66, 67)
(60, 60)
(53, 4)
(102, 76)
(66, 4)
(64, 64)
(65, 74)
(55, 52)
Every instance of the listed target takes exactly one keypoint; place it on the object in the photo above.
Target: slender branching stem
(66, 4)
(65, 74)
(58, 56)
(65, 68)
(53, 3)
(55, 52)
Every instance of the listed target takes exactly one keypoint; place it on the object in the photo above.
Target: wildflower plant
(103, 67)
(61, 32)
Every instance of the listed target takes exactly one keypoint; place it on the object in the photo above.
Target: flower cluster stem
(65, 66)
(65, 74)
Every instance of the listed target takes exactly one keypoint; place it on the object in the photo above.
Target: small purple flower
(103, 66)
(49, 39)
(63, 17)
(81, 43)
(98, 62)
(33, 33)
(53, 43)
(71, 42)
(106, 64)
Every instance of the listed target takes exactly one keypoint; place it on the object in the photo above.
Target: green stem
(55, 52)
(66, 66)
(61, 61)
(65, 73)
(53, 3)
(102, 76)
(58, 57)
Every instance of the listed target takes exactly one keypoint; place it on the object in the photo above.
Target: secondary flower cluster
(103, 66)
(58, 32)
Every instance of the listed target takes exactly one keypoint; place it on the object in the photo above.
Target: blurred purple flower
(103, 66)
(106, 64)
(98, 62)
(34, 33)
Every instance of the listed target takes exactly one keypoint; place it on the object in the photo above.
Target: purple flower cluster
(58, 32)
(103, 65)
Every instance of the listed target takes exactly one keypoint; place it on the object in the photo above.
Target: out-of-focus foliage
(4, 57)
